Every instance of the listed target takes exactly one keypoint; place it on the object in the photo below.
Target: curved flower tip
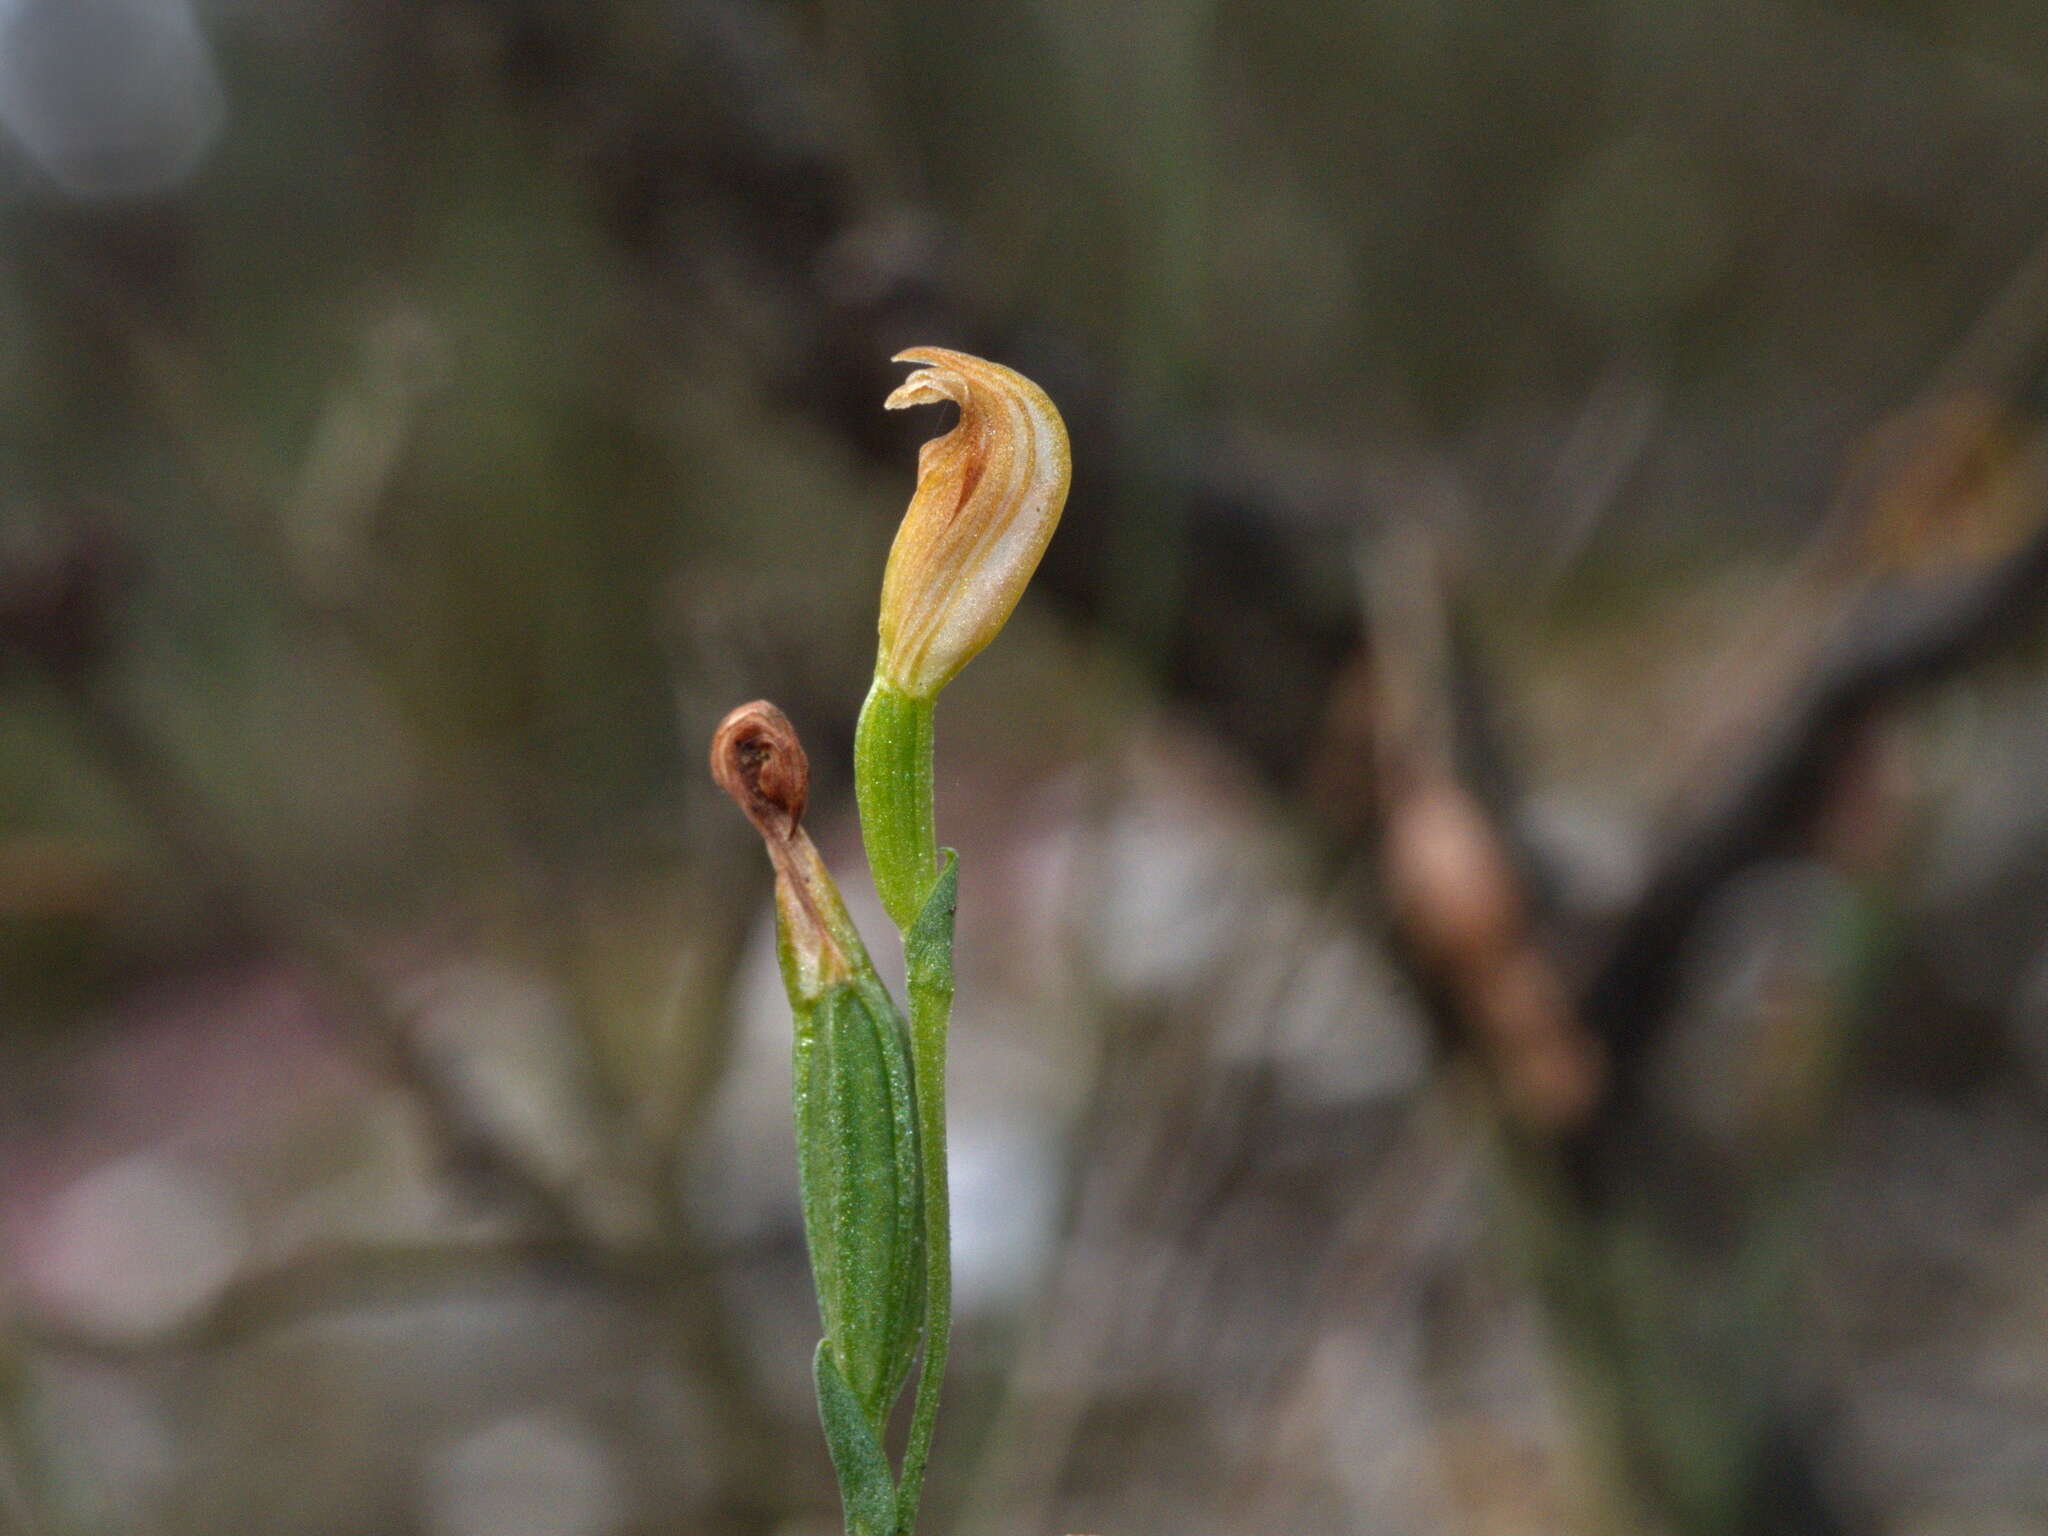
(989, 494)
(757, 759)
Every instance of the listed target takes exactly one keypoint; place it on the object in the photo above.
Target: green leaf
(866, 1490)
(858, 1164)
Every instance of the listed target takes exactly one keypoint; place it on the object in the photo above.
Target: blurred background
(1504, 977)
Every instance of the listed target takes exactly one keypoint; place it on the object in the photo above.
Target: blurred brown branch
(1901, 635)
(1457, 895)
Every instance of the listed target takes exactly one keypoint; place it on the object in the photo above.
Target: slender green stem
(892, 780)
(892, 757)
(928, 956)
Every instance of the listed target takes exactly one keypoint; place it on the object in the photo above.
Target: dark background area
(1504, 985)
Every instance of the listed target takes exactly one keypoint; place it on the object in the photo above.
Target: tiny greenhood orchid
(989, 494)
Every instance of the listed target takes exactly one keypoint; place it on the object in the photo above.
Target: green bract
(857, 1156)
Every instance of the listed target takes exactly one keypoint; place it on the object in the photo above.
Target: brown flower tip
(757, 759)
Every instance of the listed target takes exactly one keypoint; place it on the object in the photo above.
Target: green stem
(892, 780)
(928, 956)
(892, 764)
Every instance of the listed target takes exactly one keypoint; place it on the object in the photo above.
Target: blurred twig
(366, 1021)
(349, 1277)
(302, 528)
(70, 639)
(1465, 922)
(1457, 899)
(1464, 904)
(1898, 636)
(1375, 1263)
